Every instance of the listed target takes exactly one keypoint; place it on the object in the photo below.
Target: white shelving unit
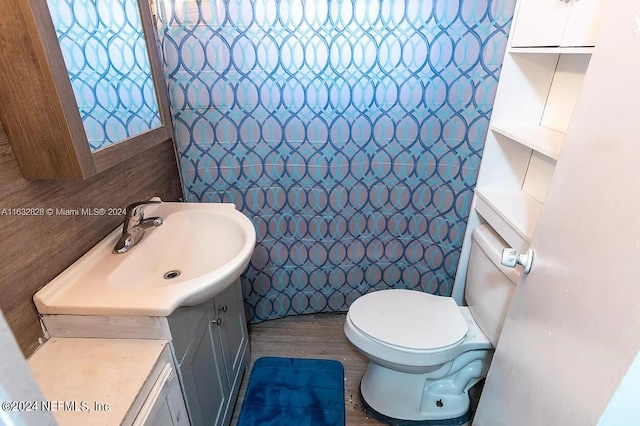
(541, 139)
(550, 47)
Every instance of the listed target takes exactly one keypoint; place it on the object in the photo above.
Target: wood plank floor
(311, 336)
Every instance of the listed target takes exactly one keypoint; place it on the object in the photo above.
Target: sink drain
(172, 274)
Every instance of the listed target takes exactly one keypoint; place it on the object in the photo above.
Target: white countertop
(93, 371)
(210, 244)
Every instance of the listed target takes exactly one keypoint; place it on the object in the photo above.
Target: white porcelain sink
(198, 251)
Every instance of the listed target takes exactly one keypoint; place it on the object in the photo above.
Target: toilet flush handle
(511, 257)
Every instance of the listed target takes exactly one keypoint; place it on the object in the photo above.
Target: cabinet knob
(511, 257)
(223, 308)
(217, 321)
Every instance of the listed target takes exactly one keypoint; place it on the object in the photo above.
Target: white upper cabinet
(557, 23)
(583, 23)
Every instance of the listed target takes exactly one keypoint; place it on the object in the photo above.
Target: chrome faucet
(135, 225)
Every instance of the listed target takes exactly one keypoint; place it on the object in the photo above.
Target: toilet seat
(409, 320)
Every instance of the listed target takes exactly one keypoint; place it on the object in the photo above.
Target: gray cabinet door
(204, 380)
(229, 308)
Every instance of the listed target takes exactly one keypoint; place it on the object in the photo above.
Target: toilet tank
(490, 286)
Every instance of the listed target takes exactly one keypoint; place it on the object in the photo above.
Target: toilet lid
(409, 319)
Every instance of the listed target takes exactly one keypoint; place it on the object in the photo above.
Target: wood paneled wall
(34, 249)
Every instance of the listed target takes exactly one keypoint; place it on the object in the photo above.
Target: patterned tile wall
(106, 57)
(349, 131)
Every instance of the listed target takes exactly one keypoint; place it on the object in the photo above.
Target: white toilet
(425, 351)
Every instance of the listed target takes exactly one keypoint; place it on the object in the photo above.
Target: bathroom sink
(198, 251)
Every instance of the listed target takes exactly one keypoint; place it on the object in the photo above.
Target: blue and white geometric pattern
(349, 131)
(104, 49)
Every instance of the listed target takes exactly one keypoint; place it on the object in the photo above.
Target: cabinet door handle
(223, 308)
(217, 321)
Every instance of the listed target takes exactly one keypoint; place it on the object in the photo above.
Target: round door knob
(511, 257)
(217, 321)
(223, 308)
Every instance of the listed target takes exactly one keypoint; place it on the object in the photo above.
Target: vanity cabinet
(39, 108)
(164, 404)
(210, 343)
(232, 325)
(563, 23)
(202, 367)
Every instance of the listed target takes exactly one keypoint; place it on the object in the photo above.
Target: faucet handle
(135, 209)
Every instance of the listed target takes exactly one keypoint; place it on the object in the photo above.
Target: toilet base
(437, 395)
(458, 421)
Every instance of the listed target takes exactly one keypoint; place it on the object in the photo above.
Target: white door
(573, 328)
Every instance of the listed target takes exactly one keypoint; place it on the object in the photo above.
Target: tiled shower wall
(349, 131)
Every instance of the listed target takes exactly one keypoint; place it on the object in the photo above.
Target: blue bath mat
(294, 391)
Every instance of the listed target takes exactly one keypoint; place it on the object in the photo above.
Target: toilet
(425, 351)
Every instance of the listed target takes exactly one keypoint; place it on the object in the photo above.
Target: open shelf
(549, 49)
(545, 141)
(553, 49)
(513, 214)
